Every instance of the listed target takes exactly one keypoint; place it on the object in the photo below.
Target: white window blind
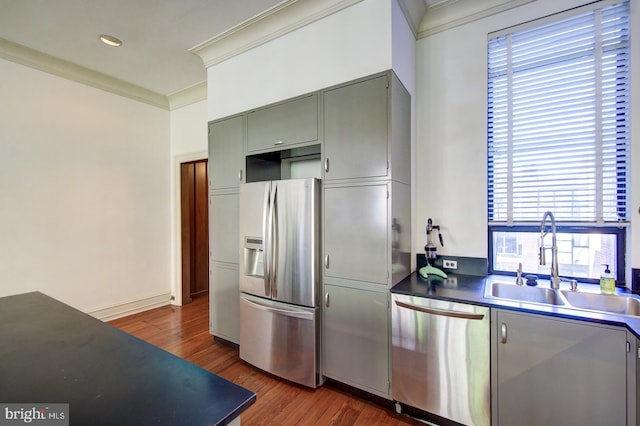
(558, 120)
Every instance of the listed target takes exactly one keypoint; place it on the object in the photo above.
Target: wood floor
(184, 331)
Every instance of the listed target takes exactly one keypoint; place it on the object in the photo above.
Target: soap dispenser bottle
(607, 281)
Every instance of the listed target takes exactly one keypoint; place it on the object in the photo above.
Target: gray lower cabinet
(356, 338)
(226, 153)
(292, 122)
(224, 290)
(224, 301)
(552, 371)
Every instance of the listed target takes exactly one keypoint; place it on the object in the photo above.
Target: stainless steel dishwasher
(441, 358)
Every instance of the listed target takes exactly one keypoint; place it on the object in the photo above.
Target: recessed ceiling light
(110, 40)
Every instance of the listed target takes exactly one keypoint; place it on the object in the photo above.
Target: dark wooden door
(195, 229)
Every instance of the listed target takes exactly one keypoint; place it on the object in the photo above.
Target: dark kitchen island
(52, 353)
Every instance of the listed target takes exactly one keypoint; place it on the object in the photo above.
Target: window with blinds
(558, 139)
(558, 119)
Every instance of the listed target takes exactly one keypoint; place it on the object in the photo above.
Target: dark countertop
(52, 353)
(470, 289)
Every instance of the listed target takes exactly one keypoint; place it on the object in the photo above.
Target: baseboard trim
(129, 308)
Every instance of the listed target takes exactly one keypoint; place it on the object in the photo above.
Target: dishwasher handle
(441, 312)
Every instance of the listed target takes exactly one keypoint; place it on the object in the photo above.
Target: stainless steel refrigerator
(279, 278)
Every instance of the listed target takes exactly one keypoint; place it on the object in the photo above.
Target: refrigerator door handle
(266, 236)
(287, 312)
(273, 238)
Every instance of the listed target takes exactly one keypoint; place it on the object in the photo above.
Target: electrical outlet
(449, 264)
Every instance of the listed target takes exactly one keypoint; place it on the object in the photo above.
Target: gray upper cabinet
(290, 123)
(226, 153)
(367, 130)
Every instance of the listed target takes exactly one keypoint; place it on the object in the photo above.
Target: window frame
(599, 226)
(619, 232)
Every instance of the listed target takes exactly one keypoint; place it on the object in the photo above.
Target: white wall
(344, 46)
(84, 192)
(189, 142)
(189, 129)
(452, 128)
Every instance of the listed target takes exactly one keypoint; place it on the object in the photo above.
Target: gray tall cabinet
(366, 225)
(363, 132)
(226, 172)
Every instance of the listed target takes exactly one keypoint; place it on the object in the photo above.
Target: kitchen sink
(584, 300)
(615, 304)
(526, 294)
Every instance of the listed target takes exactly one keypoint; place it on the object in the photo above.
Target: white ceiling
(156, 34)
(155, 64)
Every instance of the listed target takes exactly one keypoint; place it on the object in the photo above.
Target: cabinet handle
(326, 165)
(326, 299)
(503, 333)
(240, 175)
(279, 143)
(326, 261)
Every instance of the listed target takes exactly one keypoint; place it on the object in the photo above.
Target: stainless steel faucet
(554, 277)
(519, 274)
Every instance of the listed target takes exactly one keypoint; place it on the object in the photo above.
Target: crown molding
(446, 14)
(287, 16)
(413, 11)
(41, 61)
(188, 96)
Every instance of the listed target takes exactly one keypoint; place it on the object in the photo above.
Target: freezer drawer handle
(445, 313)
(294, 314)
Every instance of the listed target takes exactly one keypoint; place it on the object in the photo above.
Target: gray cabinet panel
(224, 227)
(224, 302)
(356, 338)
(355, 130)
(226, 153)
(551, 371)
(284, 124)
(356, 233)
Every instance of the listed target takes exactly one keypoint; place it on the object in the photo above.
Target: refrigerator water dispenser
(253, 257)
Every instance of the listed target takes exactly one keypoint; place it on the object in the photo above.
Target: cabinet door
(356, 342)
(288, 123)
(224, 302)
(356, 233)
(558, 372)
(355, 130)
(224, 227)
(226, 155)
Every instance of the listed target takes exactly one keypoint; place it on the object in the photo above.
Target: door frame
(177, 221)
